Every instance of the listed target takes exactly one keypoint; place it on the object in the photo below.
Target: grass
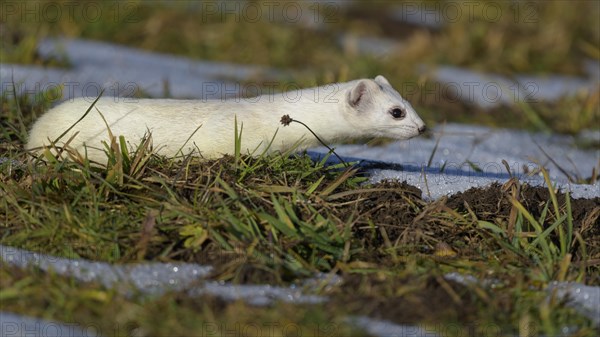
(278, 219)
(281, 218)
(106, 312)
(529, 237)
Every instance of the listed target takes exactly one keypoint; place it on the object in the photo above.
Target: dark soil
(410, 220)
(407, 219)
(491, 202)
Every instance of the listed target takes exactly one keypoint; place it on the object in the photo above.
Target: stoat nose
(422, 129)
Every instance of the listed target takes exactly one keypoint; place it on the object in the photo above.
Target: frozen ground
(492, 90)
(123, 71)
(466, 156)
(469, 156)
(156, 278)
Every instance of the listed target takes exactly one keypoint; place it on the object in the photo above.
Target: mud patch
(394, 217)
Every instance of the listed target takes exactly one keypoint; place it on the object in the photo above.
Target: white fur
(335, 112)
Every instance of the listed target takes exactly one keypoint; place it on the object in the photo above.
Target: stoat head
(376, 108)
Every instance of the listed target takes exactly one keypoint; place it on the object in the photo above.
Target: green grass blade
(285, 223)
(538, 228)
(80, 119)
(314, 186)
(277, 225)
(490, 226)
(569, 215)
(547, 231)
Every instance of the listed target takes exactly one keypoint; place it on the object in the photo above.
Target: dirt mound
(492, 202)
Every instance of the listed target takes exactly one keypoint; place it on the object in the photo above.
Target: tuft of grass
(547, 241)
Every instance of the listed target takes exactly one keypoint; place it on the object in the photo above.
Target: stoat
(360, 108)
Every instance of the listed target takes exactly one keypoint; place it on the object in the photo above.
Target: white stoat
(360, 108)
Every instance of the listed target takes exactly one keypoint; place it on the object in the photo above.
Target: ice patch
(492, 90)
(384, 328)
(472, 156)
(585, 299)
(156, 278)
(148, 278)
(365, 45)
(125, 72)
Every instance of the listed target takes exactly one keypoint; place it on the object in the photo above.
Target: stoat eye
(398, 113)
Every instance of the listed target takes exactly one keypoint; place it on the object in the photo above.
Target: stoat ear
(358, 93)
(382, 80)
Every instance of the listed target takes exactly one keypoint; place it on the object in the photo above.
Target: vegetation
(491, 36)
(282, 218)
(278, 219)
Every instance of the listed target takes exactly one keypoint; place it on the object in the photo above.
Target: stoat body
(361, 108)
